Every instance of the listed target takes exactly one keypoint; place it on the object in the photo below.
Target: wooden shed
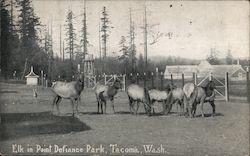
(32, 78)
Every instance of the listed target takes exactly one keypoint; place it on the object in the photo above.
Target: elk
(159, 96)
(138, 94)
(67, 90)
(176, 96)
(106, 92)
(195, 95)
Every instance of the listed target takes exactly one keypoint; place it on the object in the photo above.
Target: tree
(104, 30)
(84, 40)
(5, 38)
(132, 47)
(140, 63)
(70, 38)
(28, 23)
(125, 53)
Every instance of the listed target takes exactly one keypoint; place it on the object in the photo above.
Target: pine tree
(28, 24)
(105, 34)
(124, 57)
(71, 36)
(141, 63)
(70, 39)
(132, 47)
(5, 38)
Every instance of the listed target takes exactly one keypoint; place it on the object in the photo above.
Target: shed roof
(31, 74)
(205, 68)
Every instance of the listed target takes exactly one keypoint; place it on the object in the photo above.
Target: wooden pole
(152, 78)
(105, 79)
(144, 79)
(137, 78)
(226, 87)
(124, 82)
(171, 78)
(182, 76)
(161, 80)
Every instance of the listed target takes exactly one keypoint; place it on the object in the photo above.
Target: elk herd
(186, 99)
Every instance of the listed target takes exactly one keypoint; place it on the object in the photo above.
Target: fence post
(210, 76)
(195, 78)
(42, 78)
(105, 79)
(137, 78)
(161, 80)
(182, 76)
(226, 87)
(152, 78)
(144, 79)
(248, 85)
(171, 79)
(124, 81)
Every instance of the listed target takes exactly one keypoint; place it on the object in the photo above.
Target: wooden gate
(91, 80)
(109, 79)
(221, 90)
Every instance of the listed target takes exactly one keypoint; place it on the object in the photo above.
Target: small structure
(32, 78)
(90, 79)
(89, 64)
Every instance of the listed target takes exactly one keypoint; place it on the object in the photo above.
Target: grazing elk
(67, 90)
(106, 92)
(138, 94)
(176, 96)
(159, 96)
(195, 95)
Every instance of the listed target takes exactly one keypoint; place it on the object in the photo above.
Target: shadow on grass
(209, 115)
(16, 125)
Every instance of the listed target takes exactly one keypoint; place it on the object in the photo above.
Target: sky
(196, 26)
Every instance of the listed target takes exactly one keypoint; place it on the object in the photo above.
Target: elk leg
(112, 103)
(72, 105)
(130, 105)
(98, 104)
(57, 103)
(202, 111)
(182, 107)
(213, 106)
(76, 105)
(177, 107)
(153, 107)
(105, 105)
(194, 110)
(101, 105)
(138, 104)
(53, 104)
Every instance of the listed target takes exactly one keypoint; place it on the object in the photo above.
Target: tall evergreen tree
(124, 57)
(28, 23)
(104, 35)
(5, 38)
(70, 39)
(132, 47)
(141, 64)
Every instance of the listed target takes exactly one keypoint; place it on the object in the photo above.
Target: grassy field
(27, 122)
